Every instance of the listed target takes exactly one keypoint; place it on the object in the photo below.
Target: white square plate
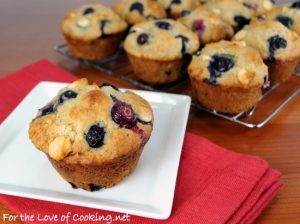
(148, 192)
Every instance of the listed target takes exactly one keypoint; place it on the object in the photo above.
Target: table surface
(30, 29)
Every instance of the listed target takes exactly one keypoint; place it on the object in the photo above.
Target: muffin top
(229, 64)
(91, 21)
(90, 124)
(177, 8)
(232, 11)
(289, 17)
(135, 11)
(163, 40)
(272, 39)
(258, 6)
(208, 26)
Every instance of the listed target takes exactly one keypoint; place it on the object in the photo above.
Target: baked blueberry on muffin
(208, 26)
(295, 5)
(135, 11)
(232, 11)
(159, 50)
(93, 135)
(228, 76)
(278, 46)
(258, 6)
(93, 31)
(178, 8)
(289, 17)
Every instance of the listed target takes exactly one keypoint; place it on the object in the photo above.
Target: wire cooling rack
(273, 100)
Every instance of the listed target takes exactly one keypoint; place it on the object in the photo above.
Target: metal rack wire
(257, 117)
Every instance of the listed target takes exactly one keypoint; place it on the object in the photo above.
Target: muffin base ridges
(94, 177)
(98, 49)
(156, 72)
(224, 99)
(281, 71)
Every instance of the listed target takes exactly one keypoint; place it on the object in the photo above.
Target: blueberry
(88, 11)
(163, 25)
(103, 24)
(48, 109)
(137, 6)
(123, 114)
(198, 27)
(184, 40)
(108, 84)
(94, 187)
(73, 185)
(275, 42)
(285, 20)
(69, 94)
(95, 136)
(218, 65)
(175, 2)
(241, 21)
(142, 39)
(296, 5)
(185, 13)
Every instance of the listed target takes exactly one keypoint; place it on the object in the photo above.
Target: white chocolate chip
(240, 35)
(59, 148)
(267, 5)
(217, 11)
(242, 43)
(244, 77)
(83, 22)
(206, 57)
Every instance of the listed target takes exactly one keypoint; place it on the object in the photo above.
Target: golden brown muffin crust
(62, 134)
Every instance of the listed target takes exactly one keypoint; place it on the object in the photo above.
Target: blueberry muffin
(135, 11)
(208, 26)
(278, 46)
(228, 76)
(93, 135)
(289, 17)
(178, 8)
(93, 31)
(259, 7)
(159, 50)
(232, 11)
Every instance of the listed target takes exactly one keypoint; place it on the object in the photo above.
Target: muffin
(232, 11)
(259, 7)
(93, 135)
(135, 11)
(208, 26)
(278, 46)
(228, 77)
(178, 8)
(93, 31)
(159, 50)
(289, 17)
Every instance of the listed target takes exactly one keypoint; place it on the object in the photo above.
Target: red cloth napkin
(214, 185)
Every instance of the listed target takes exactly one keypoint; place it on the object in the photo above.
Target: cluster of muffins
(230, 49)
(93, 135)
